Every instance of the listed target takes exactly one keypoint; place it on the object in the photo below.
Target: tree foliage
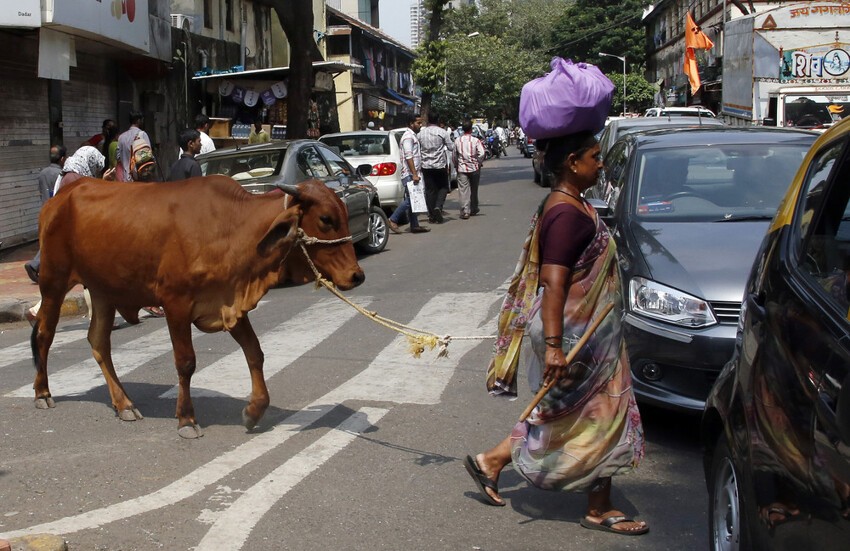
(588, 27)
(431, 60)
(639, 92)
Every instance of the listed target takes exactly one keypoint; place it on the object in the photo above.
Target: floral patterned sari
(591, 429)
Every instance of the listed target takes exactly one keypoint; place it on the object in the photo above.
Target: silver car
(377, 148)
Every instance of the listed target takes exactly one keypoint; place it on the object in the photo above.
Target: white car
(693, 111)
(378, 148)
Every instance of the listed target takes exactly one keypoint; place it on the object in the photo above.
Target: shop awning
(277, 73)
(399, 97)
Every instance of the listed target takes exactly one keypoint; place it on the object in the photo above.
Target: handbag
(572, 98)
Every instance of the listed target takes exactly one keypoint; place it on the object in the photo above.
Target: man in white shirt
(411, 168)
(202, 125)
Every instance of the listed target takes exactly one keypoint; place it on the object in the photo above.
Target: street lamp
(623, 59)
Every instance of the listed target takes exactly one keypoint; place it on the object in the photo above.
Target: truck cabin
(807, 111)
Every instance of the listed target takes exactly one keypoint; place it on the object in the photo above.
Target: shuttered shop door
(88, 98)
(24, 138)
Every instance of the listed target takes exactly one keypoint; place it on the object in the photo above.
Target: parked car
(542, 175)
(776, 426)
(693, 111)
(260, 168)
(379, 149)
(688, 208)
(616, 128)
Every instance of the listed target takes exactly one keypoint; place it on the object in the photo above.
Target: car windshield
(360, 144)
(244, 165)
(714, 183)
(813, 111)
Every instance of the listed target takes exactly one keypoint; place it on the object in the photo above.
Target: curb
(35, 542)
(13, 309)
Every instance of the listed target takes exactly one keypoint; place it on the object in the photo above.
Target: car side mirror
(768, 121)
(364, 169)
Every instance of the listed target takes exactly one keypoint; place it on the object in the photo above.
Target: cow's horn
(290, 189)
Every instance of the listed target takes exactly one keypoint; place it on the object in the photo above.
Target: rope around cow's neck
(417, 339)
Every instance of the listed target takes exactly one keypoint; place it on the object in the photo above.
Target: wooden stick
(581, 342)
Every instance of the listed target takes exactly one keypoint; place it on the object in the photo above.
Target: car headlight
(653, 300)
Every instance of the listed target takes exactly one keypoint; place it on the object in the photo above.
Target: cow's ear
(283, 231)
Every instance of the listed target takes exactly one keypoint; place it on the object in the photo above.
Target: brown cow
(204, 248)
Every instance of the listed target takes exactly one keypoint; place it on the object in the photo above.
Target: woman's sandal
(607, 525)
(482, 481)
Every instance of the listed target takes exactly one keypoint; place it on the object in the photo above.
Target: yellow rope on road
(418, 339)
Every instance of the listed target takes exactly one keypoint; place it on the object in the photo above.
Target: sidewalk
(18, 292)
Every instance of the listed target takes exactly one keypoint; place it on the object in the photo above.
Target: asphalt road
(363, 444)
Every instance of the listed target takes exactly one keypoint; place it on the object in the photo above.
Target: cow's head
(323, 216)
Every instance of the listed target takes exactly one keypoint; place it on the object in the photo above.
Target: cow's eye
(325, 220)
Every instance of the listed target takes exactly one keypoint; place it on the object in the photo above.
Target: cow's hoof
(190, 431)
(247, 420)
(45, 403)
(130, 415)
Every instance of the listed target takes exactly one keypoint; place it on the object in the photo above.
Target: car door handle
(755, 304)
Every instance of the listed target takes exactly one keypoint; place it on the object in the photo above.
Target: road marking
(22, 351)
(235, 524)
(282, 346)
(395, 376)
(84, 376)
(387, 378)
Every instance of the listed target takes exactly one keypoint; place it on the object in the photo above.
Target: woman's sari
(591, 429)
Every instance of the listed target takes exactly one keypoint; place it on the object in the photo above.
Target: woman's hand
(556, 366)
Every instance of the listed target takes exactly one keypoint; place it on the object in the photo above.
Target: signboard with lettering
(825, 63)
(123, 21)
(20, 13)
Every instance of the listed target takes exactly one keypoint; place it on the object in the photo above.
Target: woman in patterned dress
(587, 428)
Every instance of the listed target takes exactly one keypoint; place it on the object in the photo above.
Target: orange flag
(691, 69)
(694, 39)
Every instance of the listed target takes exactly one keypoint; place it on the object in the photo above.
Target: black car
(260, 168)
(542, 175)
(688, 208)
(776, 427)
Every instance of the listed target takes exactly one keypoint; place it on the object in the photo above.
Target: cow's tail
(34, 346)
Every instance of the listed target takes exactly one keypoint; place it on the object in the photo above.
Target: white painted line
(22, 351)
(234, 525)
(84, 376)
(190, 484)
(419, 381)
(282, 346)
(396, 376)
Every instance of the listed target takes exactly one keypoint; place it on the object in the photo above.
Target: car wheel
(379, 232)
(725, 513)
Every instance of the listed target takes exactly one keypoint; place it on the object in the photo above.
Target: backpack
(142, 162)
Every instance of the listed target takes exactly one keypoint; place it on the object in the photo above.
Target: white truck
(788, 66)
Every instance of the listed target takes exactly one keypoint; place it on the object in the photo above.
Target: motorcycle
(493, 147)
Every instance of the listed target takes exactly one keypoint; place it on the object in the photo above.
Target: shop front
(243, 97)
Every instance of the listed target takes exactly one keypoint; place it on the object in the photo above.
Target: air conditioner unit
(181, 21)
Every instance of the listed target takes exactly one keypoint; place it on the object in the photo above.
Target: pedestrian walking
(125, 145)
(436, 146)
(587, 427)
(411, 166)
(187, 166)
(100, 141)
(467, 158)
(46, 181)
